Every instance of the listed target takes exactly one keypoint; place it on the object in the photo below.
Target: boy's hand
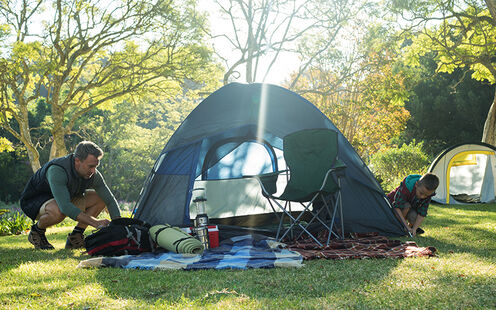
(412, 231)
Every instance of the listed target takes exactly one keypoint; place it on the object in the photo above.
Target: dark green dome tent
(235, 132)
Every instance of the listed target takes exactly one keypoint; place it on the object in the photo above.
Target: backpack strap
(127, 221)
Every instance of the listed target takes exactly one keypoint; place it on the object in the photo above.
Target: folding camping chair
(314, 177)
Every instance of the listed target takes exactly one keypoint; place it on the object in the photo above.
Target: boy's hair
(430, 181)
(85, 148)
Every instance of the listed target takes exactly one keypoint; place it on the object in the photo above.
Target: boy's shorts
(411, 216)
(79, 202)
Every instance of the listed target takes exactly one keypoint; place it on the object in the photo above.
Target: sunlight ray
(262, 113)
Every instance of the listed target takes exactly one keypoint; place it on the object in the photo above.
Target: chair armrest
(267, 181)
(339, 168)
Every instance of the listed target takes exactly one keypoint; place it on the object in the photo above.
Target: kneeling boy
(411, 199)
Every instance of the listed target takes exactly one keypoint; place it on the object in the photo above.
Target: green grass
(462, 276)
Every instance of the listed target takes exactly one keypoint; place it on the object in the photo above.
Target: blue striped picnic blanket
(242, 252)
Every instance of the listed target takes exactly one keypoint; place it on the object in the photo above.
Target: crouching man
(68, 186)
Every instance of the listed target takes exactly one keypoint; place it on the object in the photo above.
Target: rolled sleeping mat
(175, 240)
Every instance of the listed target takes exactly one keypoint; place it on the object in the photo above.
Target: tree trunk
(491, 5)
(489, 134)
(25, 138)
(250, 47)
(34, 157)
(58, 148)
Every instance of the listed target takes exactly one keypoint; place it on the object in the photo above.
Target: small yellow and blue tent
(466, 174)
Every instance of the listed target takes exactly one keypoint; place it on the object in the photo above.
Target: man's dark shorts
(31, 207)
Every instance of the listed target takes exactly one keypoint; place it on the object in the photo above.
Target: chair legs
(296, 221)
(286, 210)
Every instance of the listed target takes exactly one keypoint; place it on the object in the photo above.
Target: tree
(331, 44)
(362, 92)
(258, 32)
(133, 134)
(446, 109)
(462, 33)
(79, 55)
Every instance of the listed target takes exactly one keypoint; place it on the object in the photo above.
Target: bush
(391, 165)
(13, 222)
(14, 173)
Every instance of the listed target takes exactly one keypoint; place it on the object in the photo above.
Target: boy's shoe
(74, 241)
(420, 231)
(39, 240)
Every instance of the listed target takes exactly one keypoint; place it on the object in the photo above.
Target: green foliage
(5, 145)
(462, 36)
(446, 109)
(14, 173)
(83, 55)
(366, 103)
(13, 221)
(391, 165)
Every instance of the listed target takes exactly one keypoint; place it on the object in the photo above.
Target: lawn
(463, 275)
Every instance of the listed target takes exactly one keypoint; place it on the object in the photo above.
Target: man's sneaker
(420, 231)
(74, 241)
(38, 239)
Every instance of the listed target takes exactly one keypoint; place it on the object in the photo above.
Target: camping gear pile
(128, 236)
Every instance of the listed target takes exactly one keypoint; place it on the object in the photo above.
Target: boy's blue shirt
(411, 180)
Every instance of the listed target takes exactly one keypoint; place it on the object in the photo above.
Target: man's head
(427, 185)
(86, 158)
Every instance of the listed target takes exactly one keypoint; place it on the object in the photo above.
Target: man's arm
(57, 179)
(104, 192)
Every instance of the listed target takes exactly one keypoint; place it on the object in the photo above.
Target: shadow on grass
(16, 250)
(11, 258)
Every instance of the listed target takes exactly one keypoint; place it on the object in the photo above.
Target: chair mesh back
(309, 154)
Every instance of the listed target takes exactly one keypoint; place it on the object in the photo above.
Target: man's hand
(101, 223)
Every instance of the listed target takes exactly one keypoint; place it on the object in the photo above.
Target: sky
(281, 69)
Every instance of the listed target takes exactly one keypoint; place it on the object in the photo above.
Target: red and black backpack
(123, 236)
